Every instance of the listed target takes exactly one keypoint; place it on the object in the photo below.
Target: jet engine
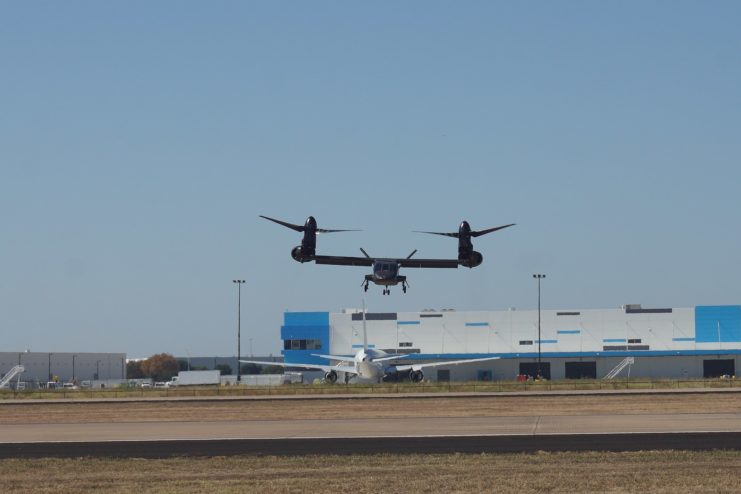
(331, 377)
(416, 376)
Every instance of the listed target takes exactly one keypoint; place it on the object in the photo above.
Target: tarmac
(604, 432)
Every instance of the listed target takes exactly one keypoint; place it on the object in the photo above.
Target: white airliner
(369, 363)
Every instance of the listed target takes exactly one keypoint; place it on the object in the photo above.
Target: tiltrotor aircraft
(386, 270)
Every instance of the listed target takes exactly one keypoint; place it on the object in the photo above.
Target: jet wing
(428, 263)
(343, 260)
(440, 364)
(326, 368)
(392, 357)
(343, 358)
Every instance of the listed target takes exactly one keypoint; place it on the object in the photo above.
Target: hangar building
(41, 367)
(703, 341)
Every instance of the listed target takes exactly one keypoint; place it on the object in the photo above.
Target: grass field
(442, 406)
(403, 387)
(663, 472)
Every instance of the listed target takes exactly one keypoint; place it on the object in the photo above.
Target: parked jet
(386, 270)
(370, 363)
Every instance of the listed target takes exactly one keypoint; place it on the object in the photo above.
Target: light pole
(73, 368)
(49, 380)
(97, 370)
(239, 329)
(539, 277)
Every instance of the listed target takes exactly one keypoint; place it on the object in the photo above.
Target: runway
(365, 435)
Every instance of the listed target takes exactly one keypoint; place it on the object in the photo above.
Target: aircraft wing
(440, 364)
(343, 260)
(428, 263)
(343, 358)
(392, 357)
(326, 368)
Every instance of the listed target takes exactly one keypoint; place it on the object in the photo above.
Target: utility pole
(239, 329)
(539, 277)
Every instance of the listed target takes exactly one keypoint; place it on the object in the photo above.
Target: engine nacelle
(416, 376)
(473, 260)
(298, 254)
(331, 377)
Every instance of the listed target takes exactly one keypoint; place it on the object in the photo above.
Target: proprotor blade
(323, 230)
(454, 234)
(484, 232)
(298, 228)
(302, 228)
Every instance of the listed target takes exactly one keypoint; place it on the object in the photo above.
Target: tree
(272, 369)
(160, 367)
(250, 369)
(134, 369)
(225, 369)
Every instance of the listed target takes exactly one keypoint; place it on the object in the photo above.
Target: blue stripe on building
(569, 331)
(546, 341)
(406, 323)
(477, 324)
(718, 323)
(305, 326)
(683, 339)
(614, 340)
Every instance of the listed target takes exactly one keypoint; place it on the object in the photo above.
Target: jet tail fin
(365, 333)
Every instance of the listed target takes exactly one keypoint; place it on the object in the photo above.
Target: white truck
(195, 378)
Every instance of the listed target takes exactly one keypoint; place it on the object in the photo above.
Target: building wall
(666, 342)
(82, 366)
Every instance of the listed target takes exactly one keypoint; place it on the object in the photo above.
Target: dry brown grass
(663, 472)
(366, 408)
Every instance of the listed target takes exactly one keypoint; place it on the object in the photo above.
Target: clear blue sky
(139, 142)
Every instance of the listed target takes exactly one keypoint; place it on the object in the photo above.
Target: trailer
(195, 378)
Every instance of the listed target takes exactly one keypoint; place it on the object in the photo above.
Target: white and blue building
(696, 342)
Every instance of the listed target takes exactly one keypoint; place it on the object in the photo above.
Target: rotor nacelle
(474, 259)
(300, 254)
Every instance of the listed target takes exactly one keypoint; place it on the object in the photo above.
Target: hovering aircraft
(369, 363)
(386, 270)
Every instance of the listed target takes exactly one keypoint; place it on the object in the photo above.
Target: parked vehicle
(195, 378)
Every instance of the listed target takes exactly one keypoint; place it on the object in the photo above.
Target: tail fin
(365, 333)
